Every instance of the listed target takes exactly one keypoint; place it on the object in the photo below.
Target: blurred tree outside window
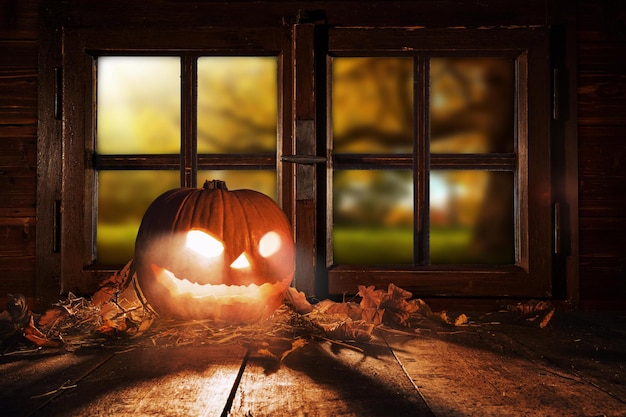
(470, 110)
(139, 118)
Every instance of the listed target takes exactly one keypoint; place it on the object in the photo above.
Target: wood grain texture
(169, 382)
(601, 78)
(18, 19)
(499, 365)
(514, 370)
(320, 380)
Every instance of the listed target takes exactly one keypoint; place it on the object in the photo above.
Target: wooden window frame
(71, 255)
(60, 200)
(530, 276)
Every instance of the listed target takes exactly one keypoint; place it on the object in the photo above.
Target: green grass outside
(395, 246)
(116, 243)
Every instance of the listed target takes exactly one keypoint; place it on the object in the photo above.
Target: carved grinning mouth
(242, 293)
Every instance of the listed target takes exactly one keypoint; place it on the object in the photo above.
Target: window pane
(372, 217)
(138, 105)
(123, 197)
(471, 217)
(237, 104)
(472, 105)
(261, 181)
(372, 105)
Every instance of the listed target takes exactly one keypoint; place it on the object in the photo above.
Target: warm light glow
(252, 292)
(204, 244)
(242, 262)
(270, 244)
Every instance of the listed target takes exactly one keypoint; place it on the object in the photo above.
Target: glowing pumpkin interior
(214, 253)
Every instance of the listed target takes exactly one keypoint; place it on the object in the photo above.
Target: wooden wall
(601, 51)
(601, 95)
(18, 144)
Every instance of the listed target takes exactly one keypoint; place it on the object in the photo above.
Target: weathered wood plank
(17, 274)
(603, 236)
(351, 13)
(18, 82)
(591, 349)
(319, 380)
(602, 150)
(18, 147)
(604, 285)
(601, 99)
(18, 187)
(601, 16)
(18, 237)
(18, 19)
(598, 57)
(487, 372)
(29, 381)
(602, 196)
(18, 96)
(572, 367)
(19, 54)
(184, 381)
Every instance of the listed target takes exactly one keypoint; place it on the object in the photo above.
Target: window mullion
(421, 160)
(188, 142)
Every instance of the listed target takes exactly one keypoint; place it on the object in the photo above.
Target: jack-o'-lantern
(213, 253)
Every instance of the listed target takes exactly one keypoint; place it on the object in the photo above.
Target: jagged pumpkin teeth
(214, 253)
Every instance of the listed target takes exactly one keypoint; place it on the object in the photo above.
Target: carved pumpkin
(214, 253)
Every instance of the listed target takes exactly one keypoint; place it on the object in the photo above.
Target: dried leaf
(295, 345)
(121, 326)
(420, 307)
(18, 309)
(36, 336)
(265, 353)
(52, 316)
(461, 320)
(349, 330)
(145, 324)
(114, 284)
(533, 311)
(398, 293)
(373, 315)
(546, 319)
(298, 301)
(371, 298)
(397, 309)
(529, 306)
(443, 316)
(107, 327)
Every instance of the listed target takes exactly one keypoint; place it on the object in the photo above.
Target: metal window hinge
(58, 93)
(555, 93)
(56, 226)
(557, 228)
(303, 159)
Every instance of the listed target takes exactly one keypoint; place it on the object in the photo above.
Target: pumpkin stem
(215, 185)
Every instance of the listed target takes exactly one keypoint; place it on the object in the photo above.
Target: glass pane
(138, 105)
(471, 217)
(123, 197)
(372, 105)
(237, 104)
(372, 217)
(261, 181)
(472, 105)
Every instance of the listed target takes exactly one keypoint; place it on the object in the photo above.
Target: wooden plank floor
(573, 367)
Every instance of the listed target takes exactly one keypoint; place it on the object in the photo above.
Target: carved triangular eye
(204, 244)
(269, 244)
(242, 262)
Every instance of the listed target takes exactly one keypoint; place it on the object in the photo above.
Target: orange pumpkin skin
(181, 283)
